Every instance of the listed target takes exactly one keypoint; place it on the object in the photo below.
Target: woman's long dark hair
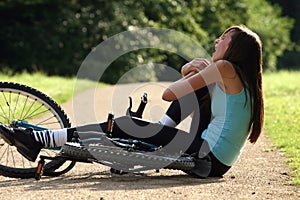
(245, 52)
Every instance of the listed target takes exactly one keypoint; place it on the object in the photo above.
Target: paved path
(260, 173)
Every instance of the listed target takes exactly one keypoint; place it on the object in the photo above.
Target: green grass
(61, 89)
(282, 115)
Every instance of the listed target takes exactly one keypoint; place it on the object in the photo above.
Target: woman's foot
(23, 140)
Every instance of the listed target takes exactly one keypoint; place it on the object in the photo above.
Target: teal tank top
(228, 130)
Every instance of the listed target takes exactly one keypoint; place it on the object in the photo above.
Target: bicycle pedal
(110, 124)
(40, 169)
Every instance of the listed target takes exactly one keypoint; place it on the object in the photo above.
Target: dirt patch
(260, 173)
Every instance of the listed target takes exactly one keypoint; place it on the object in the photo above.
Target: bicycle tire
(22, 102)
(79, 152)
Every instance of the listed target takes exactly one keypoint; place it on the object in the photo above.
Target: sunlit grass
(61, 89)
(282, 115)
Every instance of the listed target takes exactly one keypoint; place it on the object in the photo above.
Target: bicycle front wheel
(22, 103)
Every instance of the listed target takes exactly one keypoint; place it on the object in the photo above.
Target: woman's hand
(194, 67)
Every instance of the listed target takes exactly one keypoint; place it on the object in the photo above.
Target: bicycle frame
(25, 124)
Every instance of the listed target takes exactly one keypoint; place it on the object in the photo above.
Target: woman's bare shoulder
(226, 69)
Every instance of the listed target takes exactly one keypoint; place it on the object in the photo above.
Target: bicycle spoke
(9, 113)
(41, 106)
(4, 152)
(17, 103)
(6, 119)
(8, 103)
(48, 123)
(7, 154)
(28, 110)
(5, 115)
(13, 158)
(23, 108)
(35, 115)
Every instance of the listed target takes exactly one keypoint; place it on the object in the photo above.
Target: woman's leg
(127, 128)
(179, 110)
(133, 128)
(188, 104)
(198, 104)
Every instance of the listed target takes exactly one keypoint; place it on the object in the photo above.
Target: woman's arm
(208, 75)
(194, 66)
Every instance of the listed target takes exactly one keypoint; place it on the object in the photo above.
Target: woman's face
(221, 45)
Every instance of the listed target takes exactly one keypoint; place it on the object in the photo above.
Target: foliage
(290, 59)
(55, 36)
(274, 31)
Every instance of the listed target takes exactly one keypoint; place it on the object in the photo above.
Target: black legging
(197, 103)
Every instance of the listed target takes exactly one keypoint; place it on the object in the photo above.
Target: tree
(55, 36)
(290, 59)
(258, 15)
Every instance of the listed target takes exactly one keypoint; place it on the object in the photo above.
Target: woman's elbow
(168, 95)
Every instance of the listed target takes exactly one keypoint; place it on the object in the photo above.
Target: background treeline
(291, 58)
(54, 36)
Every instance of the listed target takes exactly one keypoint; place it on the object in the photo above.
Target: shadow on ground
(106, 181)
